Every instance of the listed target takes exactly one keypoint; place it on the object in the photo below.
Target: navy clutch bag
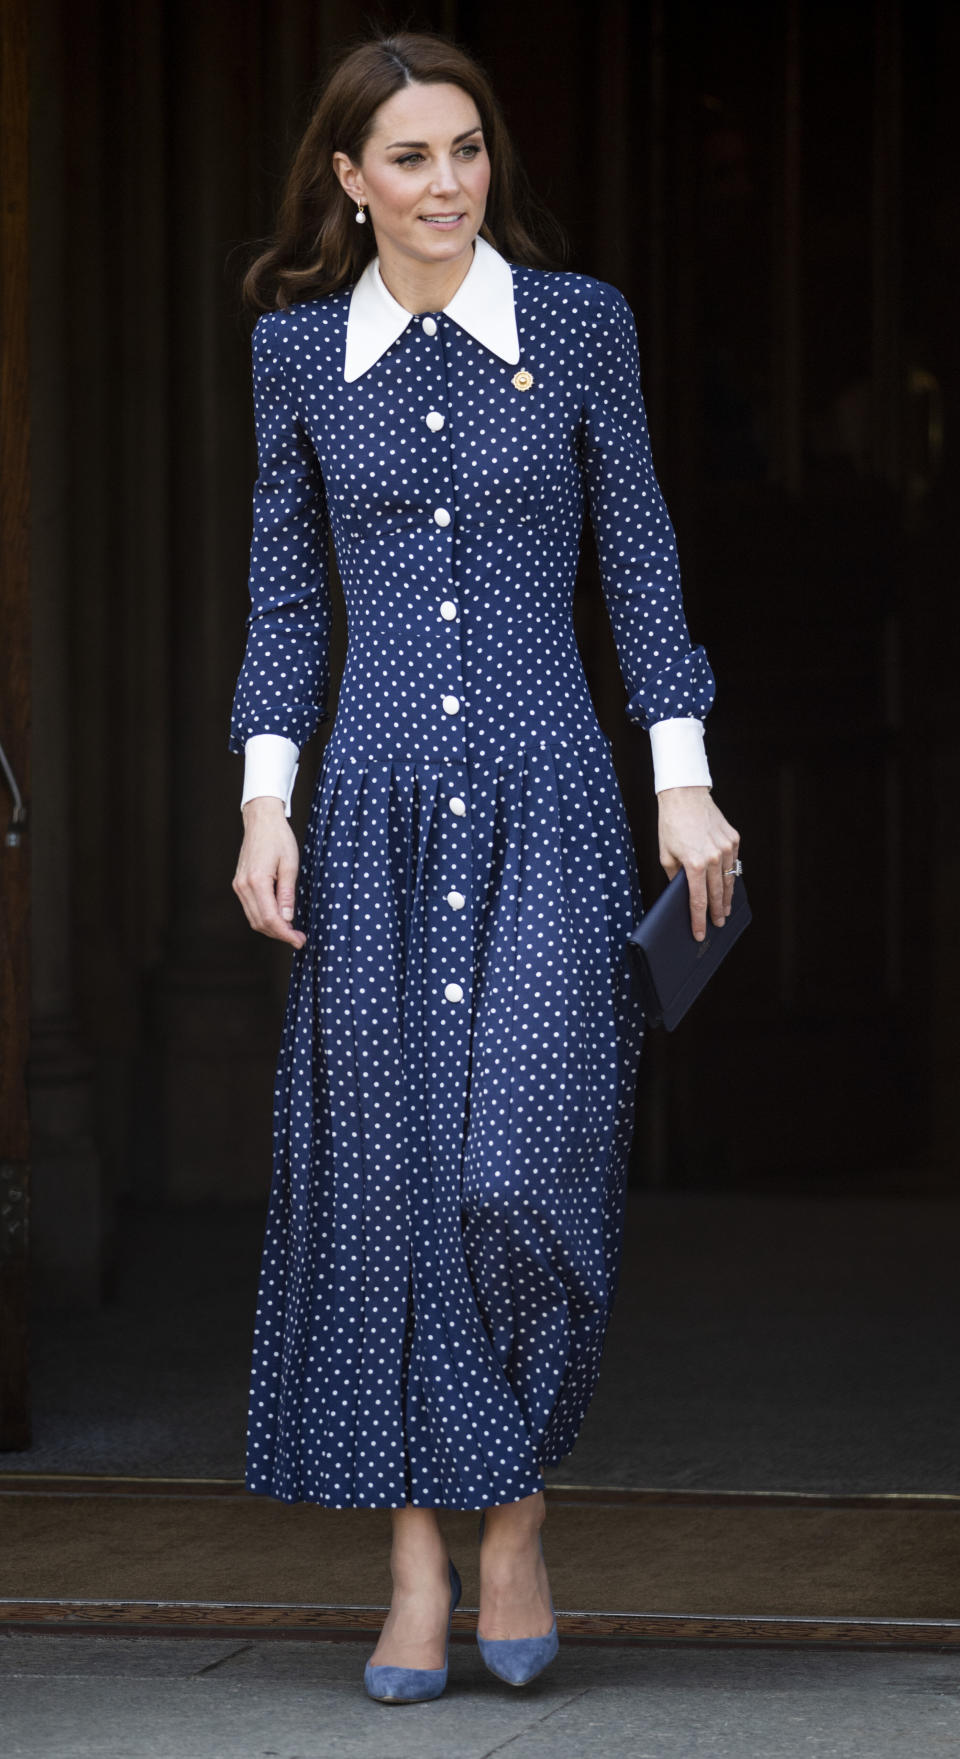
(673, 967)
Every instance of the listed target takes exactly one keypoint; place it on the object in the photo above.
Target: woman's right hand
(266, 876)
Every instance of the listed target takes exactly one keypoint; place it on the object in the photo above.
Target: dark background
(774, 188)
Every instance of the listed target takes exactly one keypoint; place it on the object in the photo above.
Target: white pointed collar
(483, 305)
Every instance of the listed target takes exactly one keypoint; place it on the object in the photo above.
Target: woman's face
(424, 173)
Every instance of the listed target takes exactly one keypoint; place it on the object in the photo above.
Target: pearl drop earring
(360, 216)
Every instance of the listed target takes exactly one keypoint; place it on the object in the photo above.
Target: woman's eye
(470, 148)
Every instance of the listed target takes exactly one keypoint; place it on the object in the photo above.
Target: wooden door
(804, 410)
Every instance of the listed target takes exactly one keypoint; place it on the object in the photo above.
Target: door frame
(15, 657)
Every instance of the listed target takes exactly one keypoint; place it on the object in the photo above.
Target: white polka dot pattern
(454, 1091)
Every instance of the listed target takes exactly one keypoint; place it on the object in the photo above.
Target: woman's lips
(444, 221)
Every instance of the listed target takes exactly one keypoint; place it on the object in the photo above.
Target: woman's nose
(445, 179)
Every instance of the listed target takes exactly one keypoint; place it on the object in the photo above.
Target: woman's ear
(349, 176)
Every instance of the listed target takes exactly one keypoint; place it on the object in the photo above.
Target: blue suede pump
(410, 1685)
(519, 1659)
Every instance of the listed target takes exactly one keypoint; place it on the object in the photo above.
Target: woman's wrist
(263, 806)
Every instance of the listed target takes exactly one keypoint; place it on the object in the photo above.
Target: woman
(454, 1092)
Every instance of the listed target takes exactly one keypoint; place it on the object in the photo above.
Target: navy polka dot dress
(455, 1085)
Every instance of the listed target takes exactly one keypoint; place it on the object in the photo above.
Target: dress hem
(453, 1507)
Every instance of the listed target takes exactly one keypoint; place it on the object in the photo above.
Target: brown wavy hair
(316, 247)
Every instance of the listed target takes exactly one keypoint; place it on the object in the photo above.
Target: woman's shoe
(519, 1659)
(410, 1685)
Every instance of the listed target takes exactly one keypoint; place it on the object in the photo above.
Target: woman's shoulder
(570, 294)
(308, 320)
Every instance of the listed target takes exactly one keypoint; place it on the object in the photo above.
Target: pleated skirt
(445, 1218)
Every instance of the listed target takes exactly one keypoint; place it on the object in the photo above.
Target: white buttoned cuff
(679, 754)
(270, 767)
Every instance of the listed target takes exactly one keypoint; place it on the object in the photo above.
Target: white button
(451, 705)
(430, 326)
(453, 992)
(448, 610)
(456, 900)
(457, 805)
(434, 421)
(441, 516)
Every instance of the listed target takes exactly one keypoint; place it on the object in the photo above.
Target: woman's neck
(422, 287)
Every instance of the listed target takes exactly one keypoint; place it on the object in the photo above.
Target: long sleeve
(282, 687)
(669, 681)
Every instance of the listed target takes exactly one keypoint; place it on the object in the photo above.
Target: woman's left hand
(695, 835)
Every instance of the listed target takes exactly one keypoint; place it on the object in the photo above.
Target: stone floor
(87, 1697)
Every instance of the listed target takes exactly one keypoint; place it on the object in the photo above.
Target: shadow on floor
(757, 1343)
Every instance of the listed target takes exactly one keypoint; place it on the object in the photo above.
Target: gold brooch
(522, 380)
